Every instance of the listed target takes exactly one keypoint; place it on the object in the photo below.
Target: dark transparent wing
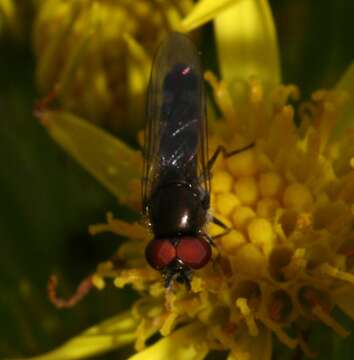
(176, 128)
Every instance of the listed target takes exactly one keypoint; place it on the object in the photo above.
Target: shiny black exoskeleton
(176, 179)
(177, 209)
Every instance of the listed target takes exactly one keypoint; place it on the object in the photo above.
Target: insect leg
(168, 279)
(186, 278)
(82, 290)
(221, 150)
(175, 273)
(221, 234)
(209, 239)
(44, 103)
(218, 222)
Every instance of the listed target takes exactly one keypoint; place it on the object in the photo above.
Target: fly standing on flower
(176, 179)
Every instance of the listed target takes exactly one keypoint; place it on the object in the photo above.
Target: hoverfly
(176, 178)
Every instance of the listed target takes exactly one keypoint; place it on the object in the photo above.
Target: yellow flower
(97, 53)
(8, 16)
(288, 261)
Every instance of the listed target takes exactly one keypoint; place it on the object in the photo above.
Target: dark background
(47, 201)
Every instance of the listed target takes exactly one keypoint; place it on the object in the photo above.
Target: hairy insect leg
(221, 150)
(82, 290)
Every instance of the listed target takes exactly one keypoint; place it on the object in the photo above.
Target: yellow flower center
(98, 54)
(288, 257)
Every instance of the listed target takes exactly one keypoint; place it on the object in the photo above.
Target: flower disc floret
(290, 240)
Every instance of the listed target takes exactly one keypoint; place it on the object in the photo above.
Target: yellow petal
(130, 230)
(46, 73)
(185, 343)
(106, 336)
(344, 298)
(72, 63)
(253, 347)
(7, 7)
(108, 159)
(346, 85)
(247, 43)
(204, 11)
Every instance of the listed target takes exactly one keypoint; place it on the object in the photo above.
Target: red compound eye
(159, 253)
(194, 252)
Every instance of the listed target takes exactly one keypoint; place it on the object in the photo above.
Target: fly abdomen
(180, 113)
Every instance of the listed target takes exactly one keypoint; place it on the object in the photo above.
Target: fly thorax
(176, 209)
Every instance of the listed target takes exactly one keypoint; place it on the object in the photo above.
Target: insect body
(175, 185)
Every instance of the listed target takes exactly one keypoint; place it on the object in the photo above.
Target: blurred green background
(47, 201)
